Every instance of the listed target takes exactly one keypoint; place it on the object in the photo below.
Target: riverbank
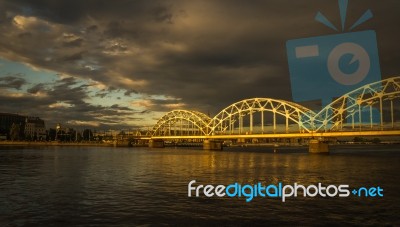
(30, 143)
(126, 144)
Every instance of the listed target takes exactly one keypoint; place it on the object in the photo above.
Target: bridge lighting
(240, 118)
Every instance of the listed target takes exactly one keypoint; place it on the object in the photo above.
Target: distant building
(34, 128)
(30, 127)
(63, 134)
(7, 120)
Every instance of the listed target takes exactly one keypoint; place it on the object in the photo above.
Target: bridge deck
(286, 135)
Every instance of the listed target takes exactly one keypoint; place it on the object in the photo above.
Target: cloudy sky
(124, 63)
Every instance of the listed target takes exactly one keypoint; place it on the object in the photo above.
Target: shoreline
(27, 143)
(30, 143)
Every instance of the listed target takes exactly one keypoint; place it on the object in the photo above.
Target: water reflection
(108, 186)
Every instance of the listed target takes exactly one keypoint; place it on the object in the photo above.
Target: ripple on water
(106, 186)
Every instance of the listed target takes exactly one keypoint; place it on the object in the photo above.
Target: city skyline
(124, 64)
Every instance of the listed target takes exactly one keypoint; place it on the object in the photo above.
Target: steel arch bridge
(352, 105)
(192, 122)
(225, 120)
(230, 120)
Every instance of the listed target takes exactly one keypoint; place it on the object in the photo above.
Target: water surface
(103, 186)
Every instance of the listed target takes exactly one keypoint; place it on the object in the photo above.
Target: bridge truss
(359, 107)
(231, 119)
(182, 122)
(354, 110)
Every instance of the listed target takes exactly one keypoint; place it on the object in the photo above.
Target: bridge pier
(212, 145)
(318, 147)
(156, 143)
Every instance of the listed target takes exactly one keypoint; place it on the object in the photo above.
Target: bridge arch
(355, 106)
(345, 113)
(225, 121)
(182, 122)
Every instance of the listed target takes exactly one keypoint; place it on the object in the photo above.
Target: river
(106, 186)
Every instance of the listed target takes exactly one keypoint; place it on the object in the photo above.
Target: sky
(125, 63)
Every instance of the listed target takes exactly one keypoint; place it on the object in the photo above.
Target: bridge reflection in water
(353, 114)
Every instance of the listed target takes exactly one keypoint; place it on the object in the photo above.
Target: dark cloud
(162, 14)
(112, 88)
(25, 35)
(159, 105)
(129, 92)
(118, 107)
(12, 82)
(204, 54)
(64, 101)
(101, 94)
(61, 11)
(92, 28)
(36, 88)
(73, 57)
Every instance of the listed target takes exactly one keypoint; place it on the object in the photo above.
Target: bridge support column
(156, 143)
(318, 147)
(212, 145)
